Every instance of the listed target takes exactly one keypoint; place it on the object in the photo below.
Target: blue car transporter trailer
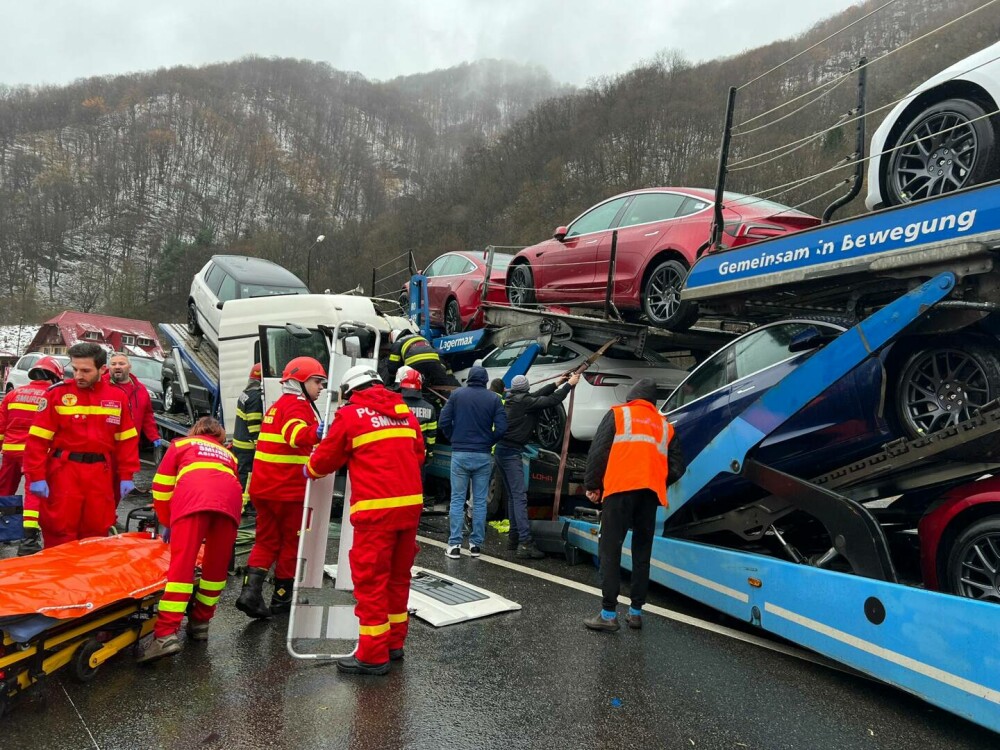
(942, 648)
(203, 362)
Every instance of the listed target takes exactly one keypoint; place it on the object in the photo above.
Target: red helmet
(412, 379)
(303, 368)
(47, 368)
(255, 371)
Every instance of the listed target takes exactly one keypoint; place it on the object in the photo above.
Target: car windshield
(150, 369)
(259, 290)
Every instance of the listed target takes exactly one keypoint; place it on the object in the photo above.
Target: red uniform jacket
(196, 474)
(377, 437)
(287, 436)
(137, 398)
(82, 420)
(17, 412)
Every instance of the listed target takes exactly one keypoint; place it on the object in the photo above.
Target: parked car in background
(149, 372)
(661, 232)
(904, 392)
(941, 137)
(18, 374)
(455, 286)
(605, 383)
(173, 400)
(228, 277)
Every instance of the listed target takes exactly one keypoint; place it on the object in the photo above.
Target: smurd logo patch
(69, 399)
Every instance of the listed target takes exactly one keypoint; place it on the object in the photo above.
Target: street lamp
(309, 256)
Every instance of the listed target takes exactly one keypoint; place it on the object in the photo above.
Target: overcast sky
(56, 41)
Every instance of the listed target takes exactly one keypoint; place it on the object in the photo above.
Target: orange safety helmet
(47, 368)
(255, 371)
(412, 379)
(303, 368)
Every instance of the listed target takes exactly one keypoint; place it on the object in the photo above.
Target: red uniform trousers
(380, 566)
(278, 525)
(218, 531)
(80, 503)
(10, 473)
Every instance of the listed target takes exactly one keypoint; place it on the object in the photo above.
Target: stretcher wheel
(82, 671)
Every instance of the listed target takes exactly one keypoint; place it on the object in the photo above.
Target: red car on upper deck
(454, 288)
(661, 232)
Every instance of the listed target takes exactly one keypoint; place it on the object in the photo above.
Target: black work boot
(351, 665)
(281, 599)
(31, 543)
(251, 601)
(512, 540)
(529, 551)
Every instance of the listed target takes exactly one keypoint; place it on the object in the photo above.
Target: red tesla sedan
(660, 234)
(454, 288)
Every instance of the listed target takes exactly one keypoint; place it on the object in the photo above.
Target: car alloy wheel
(661, 298)
(192, 321)
(550, 428)
(948, 146)
(521, 289)
(452, 318)
(974, 562)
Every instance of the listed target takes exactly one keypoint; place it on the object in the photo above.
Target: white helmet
(401, 373)
(358, 376)
(398, 333)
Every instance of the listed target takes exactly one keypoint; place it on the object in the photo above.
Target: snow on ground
(14, 338)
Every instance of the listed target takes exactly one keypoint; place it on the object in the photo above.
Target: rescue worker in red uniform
(17, 412)
(80, 427)
(139, 404)
(277, 486)
(198, 498)
(377, 437)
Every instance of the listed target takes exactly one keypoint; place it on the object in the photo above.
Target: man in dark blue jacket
(474, 421)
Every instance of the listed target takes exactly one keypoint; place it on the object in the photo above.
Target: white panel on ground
(442, 600)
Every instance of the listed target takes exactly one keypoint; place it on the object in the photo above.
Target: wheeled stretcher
(76, 605)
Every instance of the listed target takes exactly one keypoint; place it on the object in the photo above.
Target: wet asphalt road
(529, 679)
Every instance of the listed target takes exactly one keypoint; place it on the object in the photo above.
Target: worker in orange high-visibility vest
(83, 426)
(277, 489)
(17, 412)
(632, 459)
(198, 498)
(377, 437)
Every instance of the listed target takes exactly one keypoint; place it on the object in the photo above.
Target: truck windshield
(282, 347)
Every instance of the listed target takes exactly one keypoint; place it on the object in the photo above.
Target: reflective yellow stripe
(30, 524)
(430, 441)
(290, 424)
(166, 479)
(168, 606)
(410, 342)
(208, 601)
(13, 447)
(270, 437)
(374, 629)
(94, 411)
(429, 357)
(179, 588)
(395, 358)
(401, 617)
(246, 445)
(428, 426)
(211, 465)
(312, 471)
(386, 502)
(258, 415)
(253, 429)
(163, 496)
(402, 409)
(30, 514)
(23, 407)
(394, 432)
(274, 458)
(127, 435)
(295, 433)
(39, 432)
(212, 585)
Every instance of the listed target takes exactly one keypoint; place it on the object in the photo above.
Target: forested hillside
(113, 191)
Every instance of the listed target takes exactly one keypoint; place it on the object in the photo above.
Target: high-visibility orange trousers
(80, 503)
(218, 532)
(380, 567)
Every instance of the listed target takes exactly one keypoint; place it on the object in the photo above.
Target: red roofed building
(114, 334)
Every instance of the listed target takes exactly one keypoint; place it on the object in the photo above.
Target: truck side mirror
(352, 346)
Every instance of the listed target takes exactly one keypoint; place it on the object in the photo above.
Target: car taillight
(752, 231)
(605, 379)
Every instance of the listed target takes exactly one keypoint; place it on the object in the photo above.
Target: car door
(437, 285)
(568, 273)
(699, 407)
(228, 289)
(644, 227)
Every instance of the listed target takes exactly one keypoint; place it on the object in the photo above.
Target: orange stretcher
(78, 604)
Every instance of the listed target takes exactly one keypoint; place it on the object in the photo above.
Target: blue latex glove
(159, 443)
(126, 486)
(305, 472)
(321, 429)
(165, 534)
(40, 488)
